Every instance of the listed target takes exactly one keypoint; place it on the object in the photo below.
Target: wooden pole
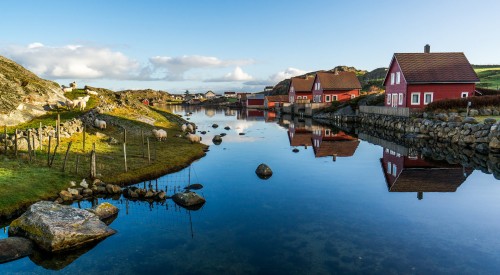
(66, 156)
(53, 155)
(29, 144)
(5, 138)
(33, 147)
(77, 162)
(48, 151)
(124, 135)
(149, 153)
(142, 144)
(58, 128)
(15, 143)
(125, 156)
(92, 163)
(83, 133)
(40, 138)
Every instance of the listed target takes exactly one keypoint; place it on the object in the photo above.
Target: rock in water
(227, 128)
(217, 139)
(215, 125)
(264, 171)
(14, 248)
(188, 199)
(104, 210)
(194, 186)
(56, 227)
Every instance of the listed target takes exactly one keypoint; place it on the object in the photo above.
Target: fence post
(83, 133)
(40, 138)
(142, 144)
(48, 151)
(29, 144)
(92, 163)
(58, 128)
(77, 162)
(66, 156)
(149, 153)
(5, 137)
(33, 148)
(15, 143)
(125, 156)
(124, 135)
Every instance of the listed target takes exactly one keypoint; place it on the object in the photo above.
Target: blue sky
(233, 45)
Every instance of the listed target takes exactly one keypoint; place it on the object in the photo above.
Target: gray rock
(470, 120)
(113, 189)
(217, 139)
(490, 121)
(65, 195)
(194, 186)
(56, 227)
(264, 171)
(14, 248)
(104, 210)
(188, 199)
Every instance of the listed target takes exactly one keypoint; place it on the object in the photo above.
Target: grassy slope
(22, 183)
(489, 76)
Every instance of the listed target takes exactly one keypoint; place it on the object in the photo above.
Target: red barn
(300, 89)
(416, 79)
(335, 86)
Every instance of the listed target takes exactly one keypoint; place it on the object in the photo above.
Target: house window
(400, 99)
(389, 166)
(464, 95)
(353, 96)
(392, 78)
(394, 169)
(415, 98)
(327, 132)
(398, 77)
(317, 86)
(389, 99)
(292, 90)
(428, 98)
(334, 98)
(327, 98)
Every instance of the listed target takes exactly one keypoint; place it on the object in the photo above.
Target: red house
(273, 101)
(335, 86)
(300, 89)
(416, 79)
(328, 143)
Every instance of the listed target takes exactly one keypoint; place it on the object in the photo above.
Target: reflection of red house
(255, 101)
(417, 79)
(335, 86)
(299, 136)
(270, 116)
(273, 101)
(328, 143)
(413, 174)
(300, 89)
(145, 102)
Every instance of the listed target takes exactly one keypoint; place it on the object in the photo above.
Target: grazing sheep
(81, 104)
(66, 89)
(101, 124)
(183, 127)
(193, 138)
(90, 92)
(70, 104)
(190, 128)
(160, 134)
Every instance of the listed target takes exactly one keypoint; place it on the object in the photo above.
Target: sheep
(190, 128)
(81, 104)
(160, 134)
(193, 138)
(101, 124)
(66, 89)
(90, 92)
(83, 98)
(73, 85)
(70, 104)
(183, 128)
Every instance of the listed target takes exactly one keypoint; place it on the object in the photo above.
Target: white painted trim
(432, 97)
(411, 98)
(464, 93)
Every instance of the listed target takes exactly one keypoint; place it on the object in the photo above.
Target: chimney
(427, 48)
(336, 71)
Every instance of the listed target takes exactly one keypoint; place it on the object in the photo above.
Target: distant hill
(133, 97)
(367, 79)
(22, 93)
(489, 75)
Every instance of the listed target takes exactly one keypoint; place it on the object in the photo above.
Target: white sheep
(66, 89)
(160, 134)
(70, 104)
(101, 124)
(183, 127)
(190, 128)
(90, 92)
(73, 85)
(81, 104)
(193, 138)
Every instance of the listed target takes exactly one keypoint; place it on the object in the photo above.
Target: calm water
(359, 212)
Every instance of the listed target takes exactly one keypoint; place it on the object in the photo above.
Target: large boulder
(56, 227)
(264, 171)
(188, 199)
(217, 139)
(104, 210)
(14, 248)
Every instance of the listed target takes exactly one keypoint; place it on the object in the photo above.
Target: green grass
(490, 77)
(23, 183)
(481, 119)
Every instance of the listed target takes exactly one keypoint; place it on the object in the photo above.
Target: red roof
(435, 68)
(302, 84)
(338, 81)
(277, 98)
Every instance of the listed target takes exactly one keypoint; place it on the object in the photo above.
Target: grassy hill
(489, 76)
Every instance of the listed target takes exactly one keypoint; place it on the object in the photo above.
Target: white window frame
(425, 97)
(464, 95)
(415, 102)
(327, 132)
(334, 98)
(392, 78)
(389, 96)
(394, 169)
(389, 167)
(400, 99)
(328, 98)
(398, 77)
(353, 96)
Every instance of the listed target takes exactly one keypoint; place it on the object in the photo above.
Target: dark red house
(300, 89)
(416, 79)
(335, 86)
(329, 143)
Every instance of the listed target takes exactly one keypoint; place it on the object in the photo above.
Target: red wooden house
(335, 86)
(416, 79)
(300, 89)
(273, 101)
(328, 143)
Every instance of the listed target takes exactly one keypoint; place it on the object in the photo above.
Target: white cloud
(73, 61)
(277, 77)
(237, 75)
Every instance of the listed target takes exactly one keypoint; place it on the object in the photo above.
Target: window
(292, 90)
(415, 98)
(400, 99)
(327, 132)
(392, 78)
(317, 86)
(353, 96)
(389, 99)
(428, 97)
(334, 98)
(389, 166)
(398, 77)
(464, 95)
(394, 169)
(327, 98)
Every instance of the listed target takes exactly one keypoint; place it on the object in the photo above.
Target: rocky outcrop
(104, 210)
(15, 248)
(55, 227)
(263, 171)
(188, 199)
(135, 193)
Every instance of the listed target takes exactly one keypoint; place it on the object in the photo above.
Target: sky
(233, 45)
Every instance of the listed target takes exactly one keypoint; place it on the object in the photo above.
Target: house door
(394, 100)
